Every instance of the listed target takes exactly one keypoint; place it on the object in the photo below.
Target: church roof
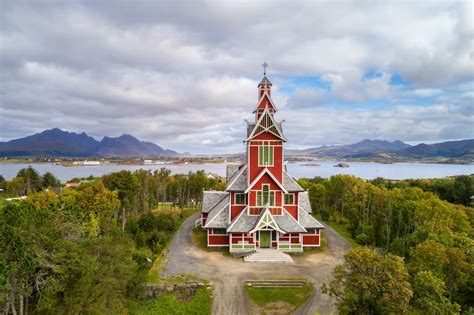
(266, 123)
(303, 202)
(265, 94)
(289, 224)
(211, 199)
(231, 170)
(246, 223)
(218, 218)
(243, 222)
(259, 176)
(290, 184)
(308, 221)
(265, 81)
(238, 182)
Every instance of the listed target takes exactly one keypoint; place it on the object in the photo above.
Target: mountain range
(462, 150)
(58, 143)
(338, 151)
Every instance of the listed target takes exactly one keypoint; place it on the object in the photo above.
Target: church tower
(262, 207)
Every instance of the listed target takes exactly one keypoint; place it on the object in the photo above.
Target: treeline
(457, 189)
(89, 248)
(28, 180)
(429, 242)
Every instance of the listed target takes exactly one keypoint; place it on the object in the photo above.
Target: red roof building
(263, 206)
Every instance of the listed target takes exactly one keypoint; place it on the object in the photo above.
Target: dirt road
(228, 274)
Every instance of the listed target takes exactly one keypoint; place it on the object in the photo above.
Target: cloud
(184, 74)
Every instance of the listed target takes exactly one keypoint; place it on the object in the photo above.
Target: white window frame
(271, 193)
(261, 150)
(293, 199)
(240, 204)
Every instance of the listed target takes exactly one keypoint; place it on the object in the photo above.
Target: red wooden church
(263, 206)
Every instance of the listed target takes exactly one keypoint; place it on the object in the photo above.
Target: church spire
(265, 84)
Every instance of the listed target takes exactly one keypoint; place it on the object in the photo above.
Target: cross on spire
(265, 65)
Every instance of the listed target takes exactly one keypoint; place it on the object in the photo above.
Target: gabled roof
(303, 201)
(212, 198)
(266, 220)
(290, 184)
(242, 223)
(218, 218)
(265, 81)
(266, 123)
(288, 223)
(261, 99)
(308, 221)
(238, 182)
(263, 172)
(231, 169)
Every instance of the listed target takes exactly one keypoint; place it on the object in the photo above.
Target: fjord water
(365, 170)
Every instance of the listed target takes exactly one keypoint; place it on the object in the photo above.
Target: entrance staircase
(268, 255)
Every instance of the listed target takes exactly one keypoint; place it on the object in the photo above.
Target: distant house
(86, 163)
(72, 185)
(262, 206)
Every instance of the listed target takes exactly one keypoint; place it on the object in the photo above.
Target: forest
(413, 240)
(416, 243)
(55, 243)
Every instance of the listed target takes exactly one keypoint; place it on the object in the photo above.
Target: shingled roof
(218, 218)
(212, 198)
(290, 184)
(238, 182)
(303, 201)
(287, 223)
(308, 221)
(243, 222)
(231, 170)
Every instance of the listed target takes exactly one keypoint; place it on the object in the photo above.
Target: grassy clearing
(278, 300)
(174, 303)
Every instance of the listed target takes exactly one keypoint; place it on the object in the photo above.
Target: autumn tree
(370, 283)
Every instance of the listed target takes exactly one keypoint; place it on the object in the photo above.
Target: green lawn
(278, 299)
(174, 303)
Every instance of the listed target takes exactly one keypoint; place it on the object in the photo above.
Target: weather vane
(265, 65)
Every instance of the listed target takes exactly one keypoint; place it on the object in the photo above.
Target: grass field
(174, 303)
(277, 300)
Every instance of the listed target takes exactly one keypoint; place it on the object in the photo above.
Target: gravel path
(228, 274)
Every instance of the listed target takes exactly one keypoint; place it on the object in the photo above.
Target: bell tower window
(265, 155)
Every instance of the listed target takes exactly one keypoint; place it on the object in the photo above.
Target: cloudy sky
(184, 74)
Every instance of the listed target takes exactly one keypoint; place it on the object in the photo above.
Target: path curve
(228, 274)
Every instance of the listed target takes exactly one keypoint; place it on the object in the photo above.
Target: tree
(2, 182)
(16, 186)
(126, 185)
(429, 295)
(49, 180)
(370, 283)
(31, 178)
(43, 200)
